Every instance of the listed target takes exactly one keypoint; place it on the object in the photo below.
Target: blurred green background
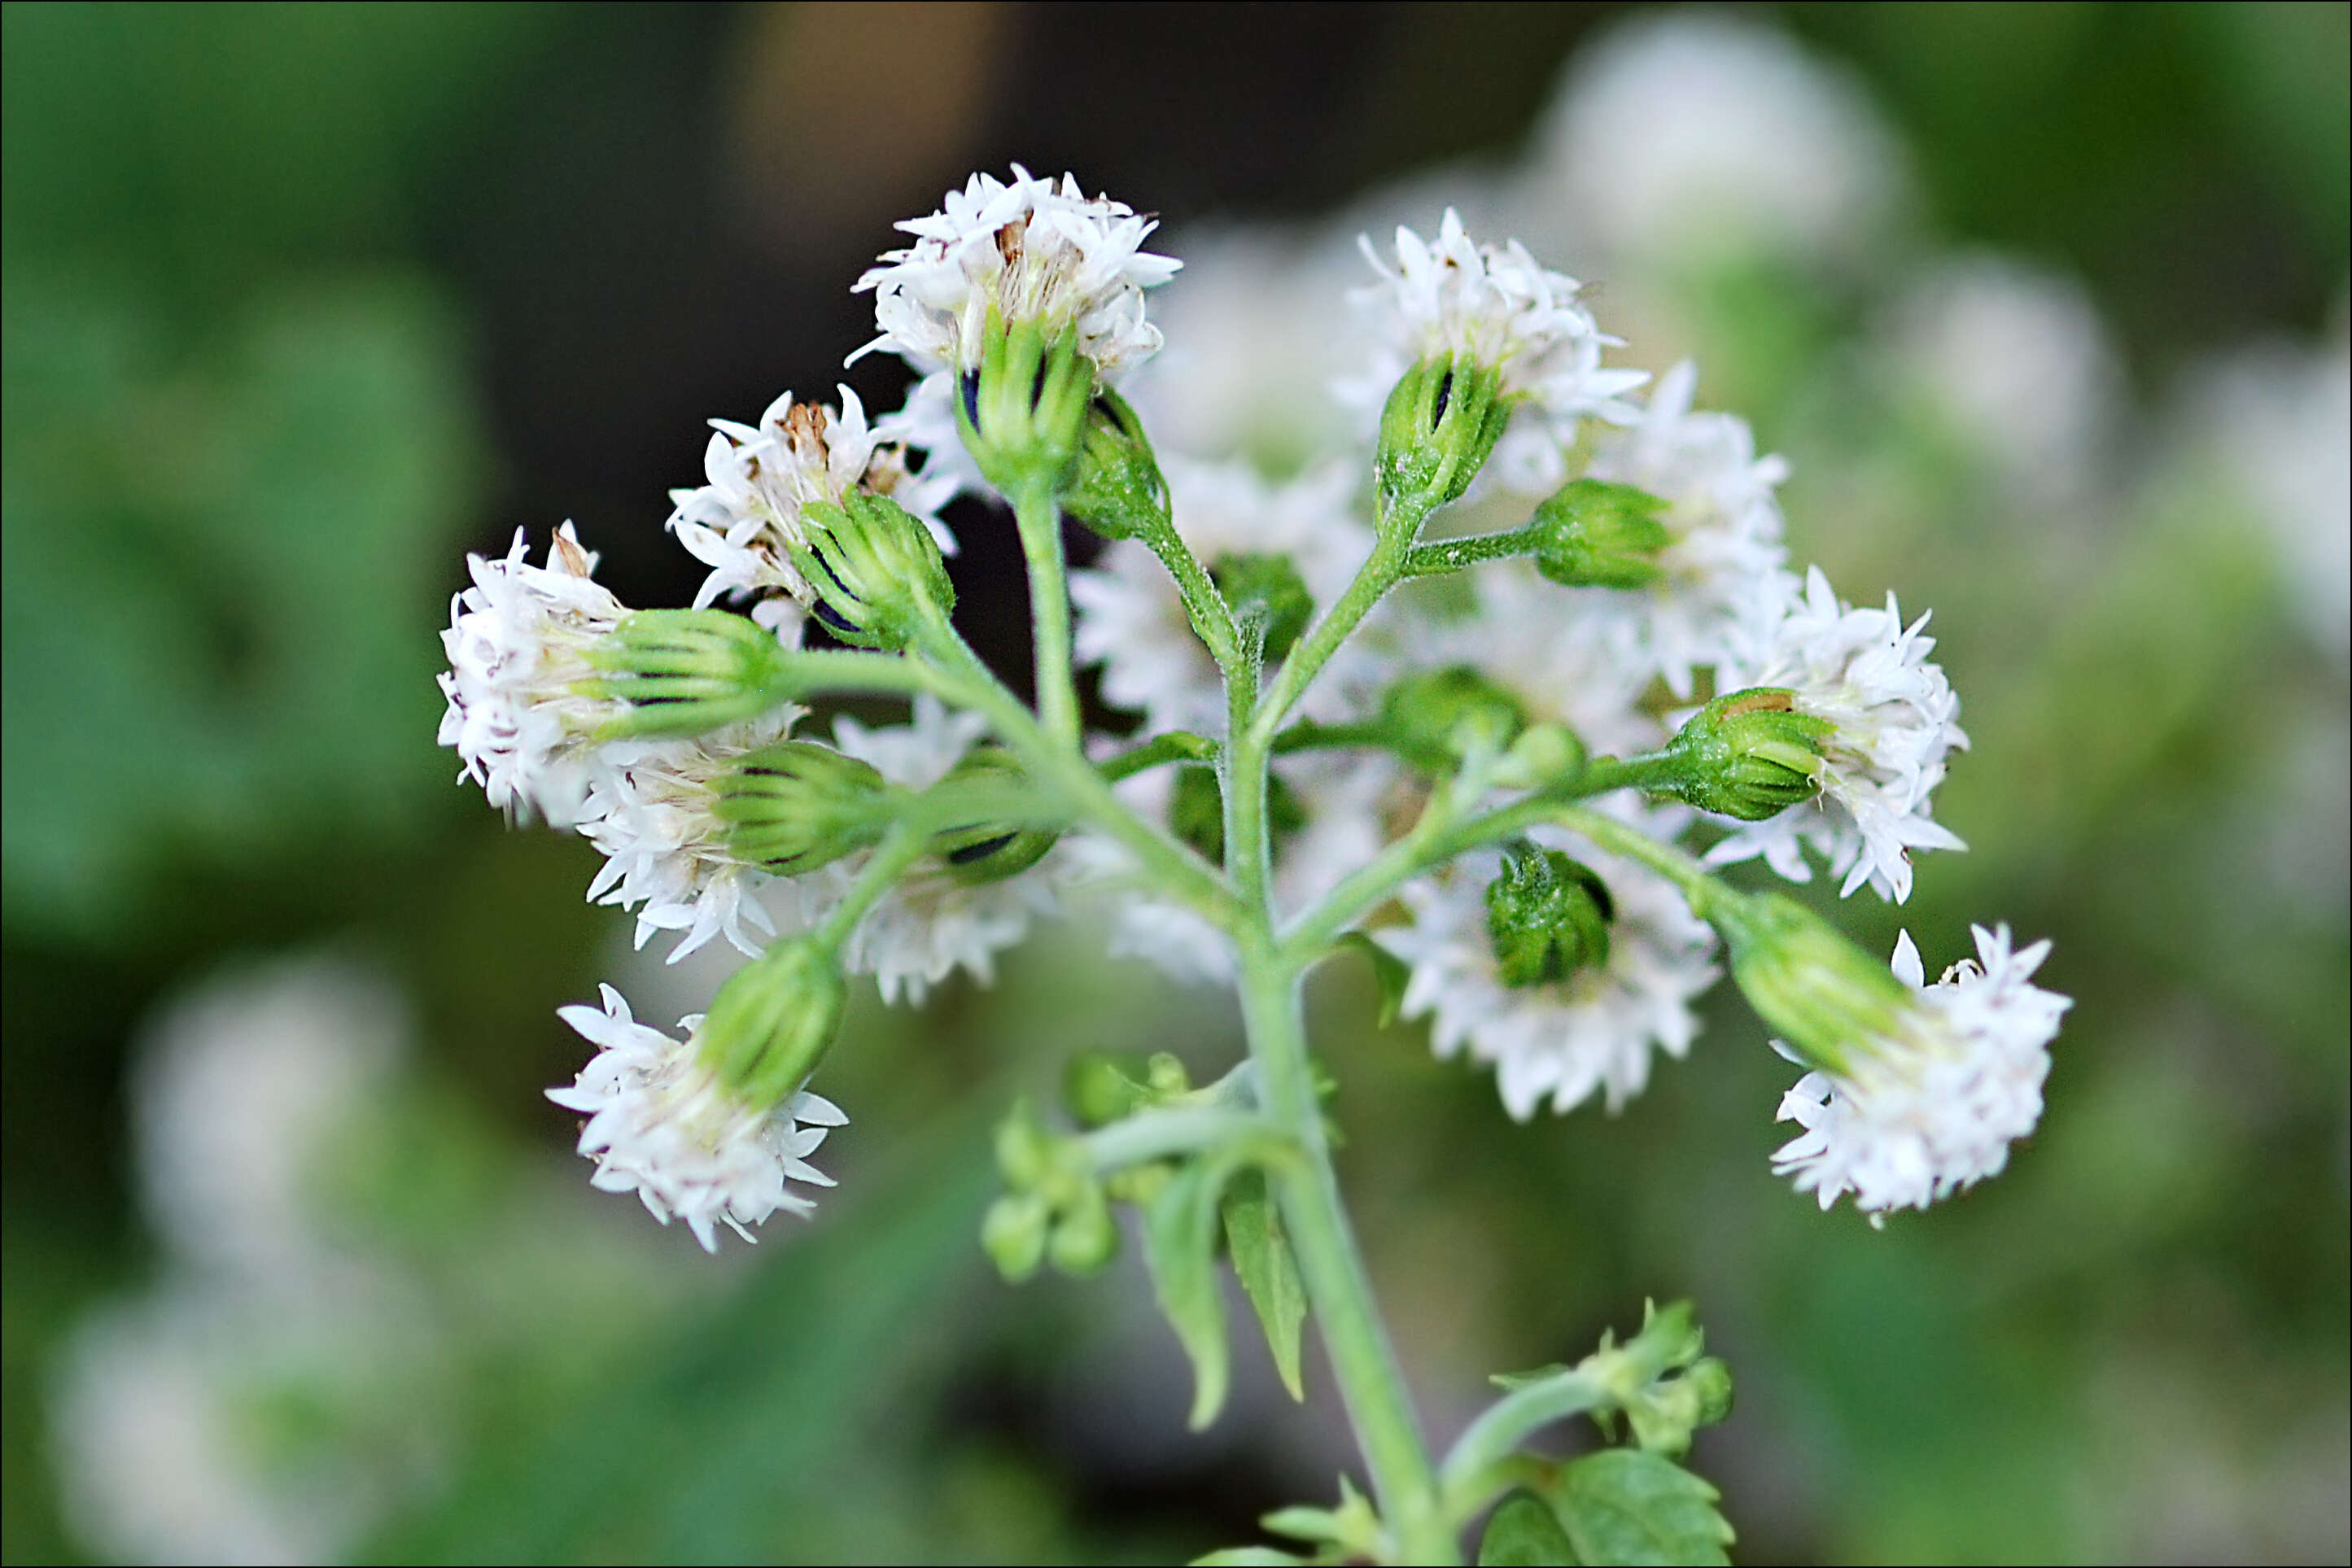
(2044, 303)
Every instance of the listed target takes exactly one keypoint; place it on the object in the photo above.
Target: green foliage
(1390, 974)
(1524, 1532)
(1180, 1242)
(1623, 1506)
(1268, 1273)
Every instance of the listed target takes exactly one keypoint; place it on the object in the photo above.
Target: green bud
(1085, 1236)
(1100, 1087)
(1665, 1413)
(1266, 588)
(794, 806)
(985, 852)
(1545, 754)
(772, 1021)
(1014, 1235)
(1548, 917)
(686, 672)
(1820, 992)
(1117, 491)
(875, 572)
(1438, 716)
(1196, 811)
(1749, 755)
(1438, 428)
(1025, 1155)
(1024, 413)
(1165, 1075)
(1594, 534)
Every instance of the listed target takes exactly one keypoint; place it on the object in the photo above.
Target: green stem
(801, 673)
(1308, 736)
(1150, 1136)
(1509, 1422)
(902, 848)
(1065, 771)
(1453, 555)
(1211, 617)
(1375, 578)
(1038, 516)
(1176, 745)
(1698, 885)
(1371, 1385)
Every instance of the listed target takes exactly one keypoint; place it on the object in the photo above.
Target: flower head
(653, 813)
(661, 1125)
(1026, 250)
(1561, 1040)
(1933, 1111)
(1495, 307)
(1723, 529)
(744, 520)
(1895, 722)
(517, 644)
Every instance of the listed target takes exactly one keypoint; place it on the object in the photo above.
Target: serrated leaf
(1248, 1557)
(1523, 1532)
(1391, 973)
(1268, 1273)
(1624, 1506)
(1179, 1243)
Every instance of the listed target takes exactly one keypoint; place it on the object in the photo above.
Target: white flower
(1560, 1041)
(1683, 136)
(652, 813)
(1897, 720)
(518, 643)
(1027, 250)
(1934, 1112)
(661, 1126)
(744, 520)
(1725, 526)
(1494, 303)
(929, 924)
(242, 1090)
(1131, 620)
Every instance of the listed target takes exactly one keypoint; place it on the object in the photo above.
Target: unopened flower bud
(1439, 717)
(1268, 589)
(1196, 811)
(989, 851)
(1749, 755)
(1439, 426)
(1827, 997)
(685, 672)
(1118, 490)
(1665, 1414)
(1085, 1235)
(1023, 411)
(1595, 534)
(1548, 917)
(876, 571)
(1013, 1235)
(1544, 754)
(1099, 1087)
(772, 1021)
(794, 806)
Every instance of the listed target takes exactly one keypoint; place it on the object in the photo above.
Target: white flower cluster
(661, 1126)
(1495, 305)
(1934, 1112)
(1024, 249)
(744, 520)
(1896, 721)
(518, 643)
(1565, 1040)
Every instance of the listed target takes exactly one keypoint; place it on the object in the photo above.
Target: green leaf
(1179, 1243)
(1268, 1273)
(1388, 971)
(1523, 1532)
(1624, 1506)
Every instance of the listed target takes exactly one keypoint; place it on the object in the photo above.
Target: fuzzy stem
(1375, 578)
(1038, 516)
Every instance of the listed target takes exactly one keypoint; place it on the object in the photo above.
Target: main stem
(1038, 516)
(1371, 1385)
